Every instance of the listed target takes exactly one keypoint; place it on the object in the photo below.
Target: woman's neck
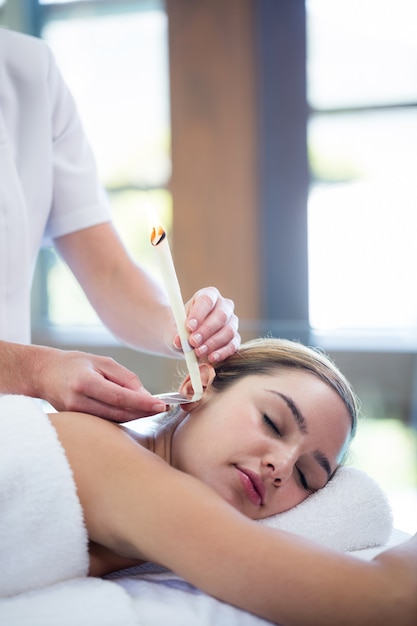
(158, 437)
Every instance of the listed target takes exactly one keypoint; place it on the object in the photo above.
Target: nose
(278, 466)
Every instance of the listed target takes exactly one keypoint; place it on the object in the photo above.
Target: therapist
(49, 192)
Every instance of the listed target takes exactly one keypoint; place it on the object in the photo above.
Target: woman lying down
(273, 425)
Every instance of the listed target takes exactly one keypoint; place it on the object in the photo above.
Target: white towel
(42, 535)
(350, 513)
(43, 539)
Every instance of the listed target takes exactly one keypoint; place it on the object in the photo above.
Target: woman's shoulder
(90, 442)
(75, 428)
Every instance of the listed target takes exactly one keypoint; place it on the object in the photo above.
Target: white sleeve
(78, 199)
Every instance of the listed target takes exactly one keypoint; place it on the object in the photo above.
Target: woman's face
(266, 443)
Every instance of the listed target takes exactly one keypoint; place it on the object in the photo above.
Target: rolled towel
(350, 513)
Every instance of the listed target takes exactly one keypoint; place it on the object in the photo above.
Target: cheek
(286, 497)
(333, 438)
(295, 495)
(192, 444)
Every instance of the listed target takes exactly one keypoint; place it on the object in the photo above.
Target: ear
(207, 373)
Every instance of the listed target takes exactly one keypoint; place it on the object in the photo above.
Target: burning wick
(157, 235)
(160, 242)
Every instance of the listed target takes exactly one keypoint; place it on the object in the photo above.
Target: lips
(252, 485)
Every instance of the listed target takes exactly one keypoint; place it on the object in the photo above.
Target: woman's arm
(139, 507)
(104, 561)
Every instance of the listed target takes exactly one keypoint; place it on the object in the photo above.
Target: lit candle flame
(157, 235)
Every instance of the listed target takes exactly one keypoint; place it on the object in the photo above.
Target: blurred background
(278, 141)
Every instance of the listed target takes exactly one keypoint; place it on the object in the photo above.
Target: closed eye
(303, 480)
(271, 425)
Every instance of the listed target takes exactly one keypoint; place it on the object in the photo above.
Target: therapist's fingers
(119, 393)
(212, 324)
(108, 412)
(100, 386)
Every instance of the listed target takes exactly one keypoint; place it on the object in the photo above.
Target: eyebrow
(301, 422)
(296, 413)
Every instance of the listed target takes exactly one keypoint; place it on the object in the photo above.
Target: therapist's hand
(212, 324)
(77, 381)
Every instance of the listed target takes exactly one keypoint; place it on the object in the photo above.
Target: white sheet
(160, 597)
(164, 598)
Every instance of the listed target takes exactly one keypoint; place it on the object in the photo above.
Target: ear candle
(160, 242)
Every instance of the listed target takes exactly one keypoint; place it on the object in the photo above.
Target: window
(114, 58)
(362, 135)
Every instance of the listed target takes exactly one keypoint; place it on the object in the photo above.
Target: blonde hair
(262, 356)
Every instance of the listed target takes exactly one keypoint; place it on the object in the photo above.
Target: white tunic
(48, 181)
